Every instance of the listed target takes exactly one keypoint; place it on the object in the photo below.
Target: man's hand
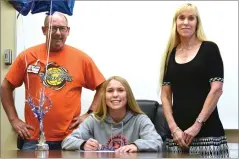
(78, 120)
(128, 148)
(21, 128)
(92, 145)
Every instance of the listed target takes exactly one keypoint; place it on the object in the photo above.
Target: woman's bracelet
(174, 131)
(200, 121)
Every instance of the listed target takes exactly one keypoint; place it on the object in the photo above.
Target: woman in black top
(192, 81)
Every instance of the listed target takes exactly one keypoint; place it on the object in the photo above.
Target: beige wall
(8, 32)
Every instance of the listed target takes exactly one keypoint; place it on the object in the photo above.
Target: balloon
(22, 6)
(64, 6)
(37, 6)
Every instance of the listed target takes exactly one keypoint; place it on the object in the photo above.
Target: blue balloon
(51, 6)
(22, 6)
(37, 6)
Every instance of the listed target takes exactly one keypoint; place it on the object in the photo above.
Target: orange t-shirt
(67, 72)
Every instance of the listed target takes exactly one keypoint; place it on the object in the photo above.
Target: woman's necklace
(188, 47)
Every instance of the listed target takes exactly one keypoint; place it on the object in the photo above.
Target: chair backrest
(149, 107)
(154, 110)
(161, 124)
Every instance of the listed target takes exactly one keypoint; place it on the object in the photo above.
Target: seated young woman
(118, 124)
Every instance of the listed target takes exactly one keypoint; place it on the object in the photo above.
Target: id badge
(33, 69)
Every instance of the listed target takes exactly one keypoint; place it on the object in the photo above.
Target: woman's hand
(128, 148)
(191, 132)
(178, 137)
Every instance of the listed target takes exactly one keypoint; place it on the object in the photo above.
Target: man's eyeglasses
(62, 29)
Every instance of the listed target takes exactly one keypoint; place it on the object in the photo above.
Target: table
(77, 154)
(233, 149)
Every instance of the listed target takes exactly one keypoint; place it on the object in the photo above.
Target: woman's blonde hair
(102, 108)
(174, 39)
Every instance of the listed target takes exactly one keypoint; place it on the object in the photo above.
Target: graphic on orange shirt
(55, 77)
